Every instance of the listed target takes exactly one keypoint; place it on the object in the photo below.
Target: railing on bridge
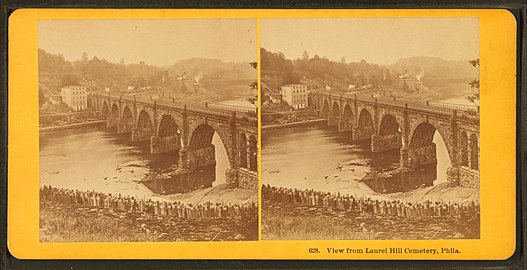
(232, 108)
(458, 107)
(428, 106)
(219, 110)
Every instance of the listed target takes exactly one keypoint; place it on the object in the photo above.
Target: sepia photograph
(370, 128)
(148, 130)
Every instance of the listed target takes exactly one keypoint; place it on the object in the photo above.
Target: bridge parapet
(214, 110)
(439, 108)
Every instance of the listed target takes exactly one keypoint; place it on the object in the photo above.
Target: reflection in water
(93, 158)
(320, 158)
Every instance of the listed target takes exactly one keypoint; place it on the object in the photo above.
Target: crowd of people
(368, 206)
(175, 209)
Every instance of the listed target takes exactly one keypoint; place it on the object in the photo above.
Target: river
(96, 158)
(320, 158)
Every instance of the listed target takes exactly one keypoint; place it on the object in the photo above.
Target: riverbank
(219, 193)
(73, 223)
(70, 126)
(295, 124)
(294, 222)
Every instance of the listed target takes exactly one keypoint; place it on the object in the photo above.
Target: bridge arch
(201, 137)
(167, 126)
(201, 134)
(422, 137)
(115, 111)
(389, 125)
(325, 109)
(347, 115)
(127, 117)
(145, 127)
(127, 113)
(365, 124)
(335, 111)
(104, 110)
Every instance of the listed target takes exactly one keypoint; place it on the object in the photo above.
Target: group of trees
(320, 69)
(474, 84)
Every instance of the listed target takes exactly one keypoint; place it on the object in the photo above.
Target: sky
(154, 41)
(376, 40)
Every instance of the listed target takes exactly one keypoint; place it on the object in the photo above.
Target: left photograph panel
(148, 130)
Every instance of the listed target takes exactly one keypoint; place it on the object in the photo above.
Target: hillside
(96, 74)
(314, 71)
(442, 79)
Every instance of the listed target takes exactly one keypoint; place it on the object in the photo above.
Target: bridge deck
(440, 108)
(217, 110)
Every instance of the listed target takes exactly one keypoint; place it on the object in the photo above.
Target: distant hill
(434, 67)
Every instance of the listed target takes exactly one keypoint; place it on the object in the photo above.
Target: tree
(84, 57)
(254, 86)
(305, 56)
(474, 84)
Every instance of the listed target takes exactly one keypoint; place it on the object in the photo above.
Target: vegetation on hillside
(315, 71)
(445, 78)
(98, 73)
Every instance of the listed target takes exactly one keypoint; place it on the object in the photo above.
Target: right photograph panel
(370, 128)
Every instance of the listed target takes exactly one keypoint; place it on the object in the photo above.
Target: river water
(96, 158)
(320, 158)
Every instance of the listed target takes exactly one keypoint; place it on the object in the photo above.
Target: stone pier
(164, 144)
(381, 143)
(124, 127)
(422, 156)
(362, 134)
(138, 136)
(332, 121)
(345, 126)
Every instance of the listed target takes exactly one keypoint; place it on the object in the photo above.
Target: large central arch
(202, 153)
(423, 154)
(422, 136)
(422, 150)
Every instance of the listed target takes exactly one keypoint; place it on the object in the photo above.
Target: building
(75, 97)
(275, 98)
(55, 99)
(295, 95)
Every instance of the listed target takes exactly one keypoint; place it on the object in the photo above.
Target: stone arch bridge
(187, 131)
(410, 127)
